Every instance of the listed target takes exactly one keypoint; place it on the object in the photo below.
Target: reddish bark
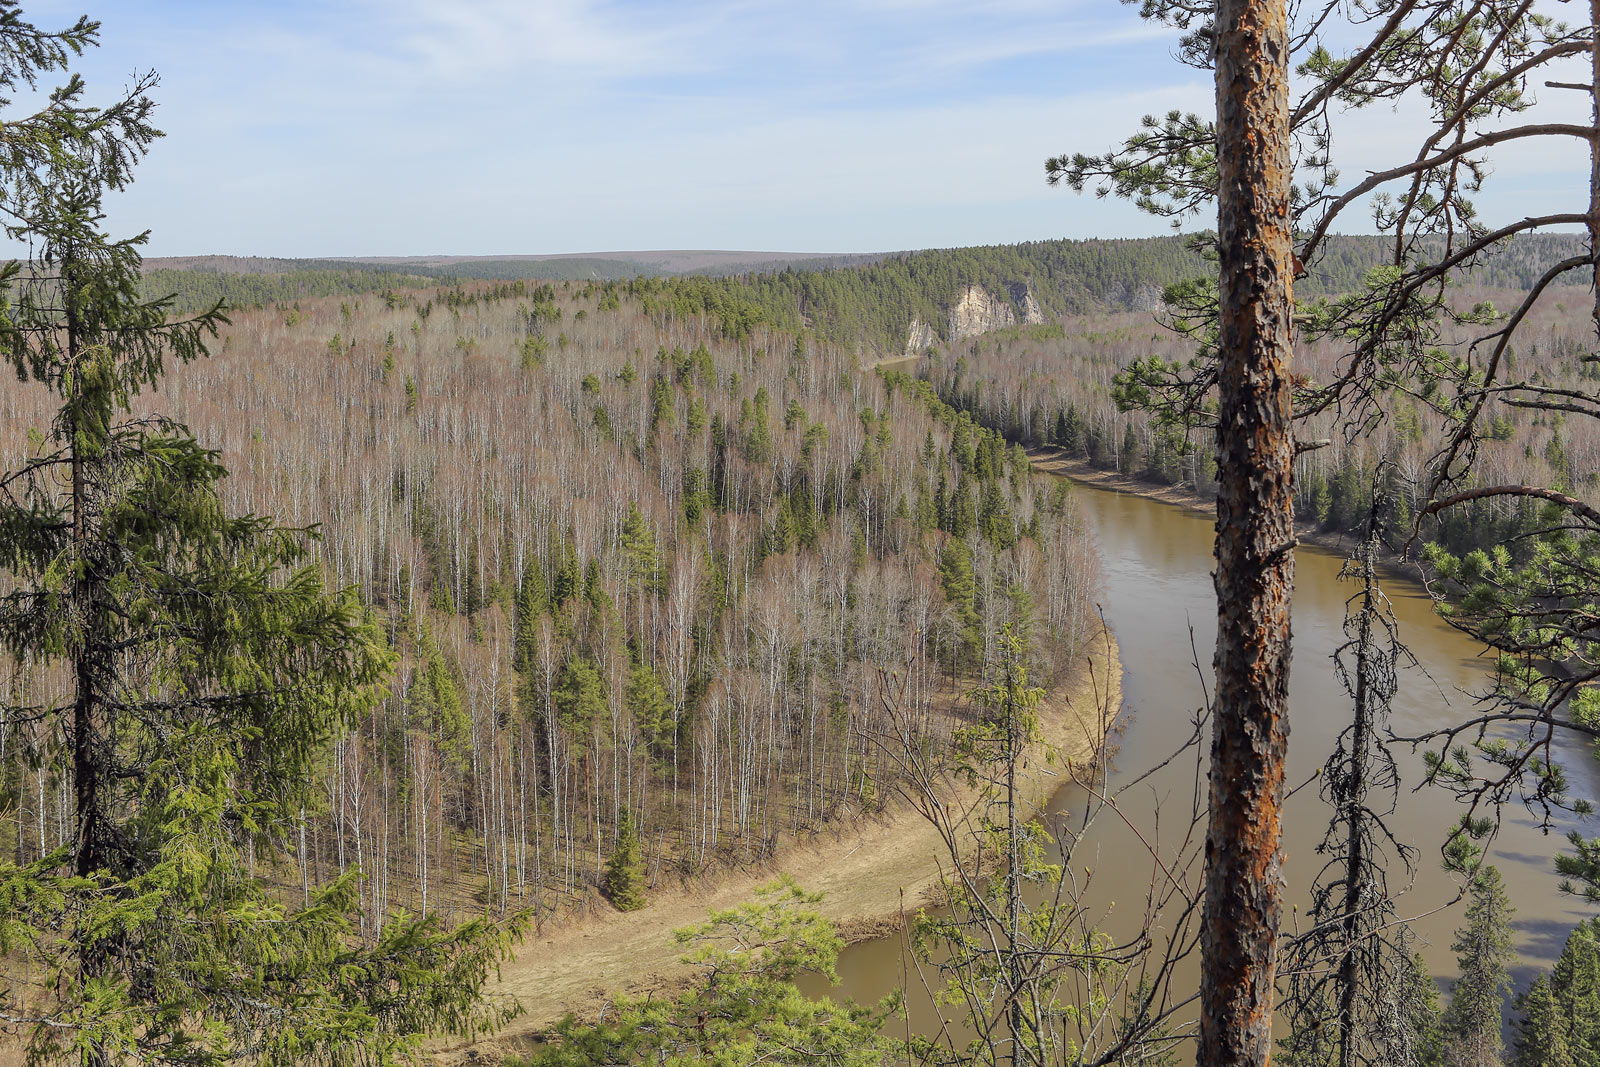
(1254, 548)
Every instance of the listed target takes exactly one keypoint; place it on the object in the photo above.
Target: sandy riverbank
(1052, 461)
(868, 873)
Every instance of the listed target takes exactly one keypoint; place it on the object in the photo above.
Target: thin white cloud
(394, 126)
(476, 38)
(966, 51)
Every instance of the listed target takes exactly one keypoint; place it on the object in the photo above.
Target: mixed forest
(646, 566)
(358, 619)
(645, 571)
(643, 579)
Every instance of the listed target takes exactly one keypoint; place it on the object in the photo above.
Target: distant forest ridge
(868, 299)
(258, 281)
(322, 277)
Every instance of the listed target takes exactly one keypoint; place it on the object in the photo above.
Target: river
(1156, 560)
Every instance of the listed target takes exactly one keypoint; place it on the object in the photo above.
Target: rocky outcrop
(919, 338)
(1136, 297)
(979, 311)
(1022, 296)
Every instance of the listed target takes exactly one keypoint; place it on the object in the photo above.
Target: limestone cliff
(1032, 314)
(919, 337)
(977, 311)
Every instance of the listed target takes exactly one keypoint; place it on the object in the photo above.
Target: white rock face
(919, 337)
(979, 311)
(1032, 314)
(976, 311)
(1146, 297)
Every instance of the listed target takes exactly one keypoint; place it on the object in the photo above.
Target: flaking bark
(1254, 547)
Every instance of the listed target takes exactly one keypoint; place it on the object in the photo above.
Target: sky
(498, 127)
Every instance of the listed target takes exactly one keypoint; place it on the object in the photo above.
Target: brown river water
(1156, 560)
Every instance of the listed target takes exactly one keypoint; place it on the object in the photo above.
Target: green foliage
(960, 593)
(580, 696)
(594, 592)
(1491, 595)
(1560, 1024)
(1580, 869)
(624, 880)
(661, 401)
(757, 444)
(205, 668)
(1542, 1039)
(434, 702)
(602, 423)
(695, 422)
(743, 1006)
(850, 301)
(532, 602)
(1471, 1024)
(651, 708)
(639, 551)
(534, 349)
(995, 521)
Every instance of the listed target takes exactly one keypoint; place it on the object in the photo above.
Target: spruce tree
(532, 602)
(960, 595)
(624, 884)
(1483, 946)
(639, 550)
(1543, 1039)
(1575, 982)
(195, 668)
(651, 707)
(1560, 1023)
(580, 696)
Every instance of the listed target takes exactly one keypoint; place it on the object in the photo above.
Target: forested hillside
(1056, 385)
(198, 282)
(644, 579)
(648, 548)
(861, 302)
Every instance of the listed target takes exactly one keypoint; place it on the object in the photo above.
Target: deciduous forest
(630, 565)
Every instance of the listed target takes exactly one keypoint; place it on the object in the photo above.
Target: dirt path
(865, 872)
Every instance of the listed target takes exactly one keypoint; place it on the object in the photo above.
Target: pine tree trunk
(1254, 547)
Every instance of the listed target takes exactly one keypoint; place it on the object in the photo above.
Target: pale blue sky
(389, 127)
